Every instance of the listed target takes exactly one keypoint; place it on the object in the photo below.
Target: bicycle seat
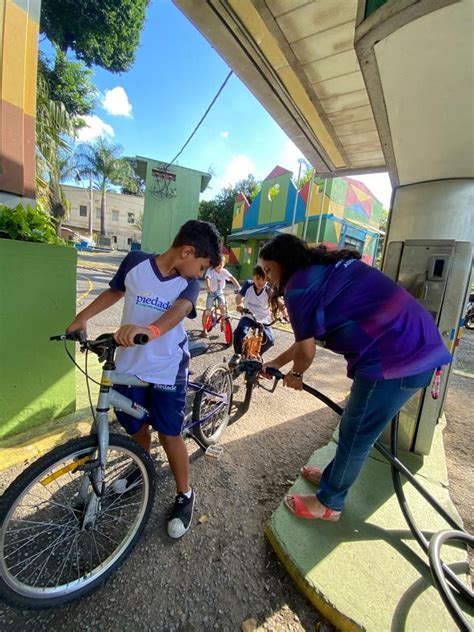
(197, 348)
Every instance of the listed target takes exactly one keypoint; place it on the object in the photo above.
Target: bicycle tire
(18, 593)
(469, 323)
(249, 386)
(228, 333)
(217, 378)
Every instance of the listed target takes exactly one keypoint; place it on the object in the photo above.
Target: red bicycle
(219, 316)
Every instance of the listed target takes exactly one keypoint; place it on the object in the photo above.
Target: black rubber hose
(438, 572)
(397, 467)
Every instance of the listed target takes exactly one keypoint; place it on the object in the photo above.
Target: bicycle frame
(109, 397)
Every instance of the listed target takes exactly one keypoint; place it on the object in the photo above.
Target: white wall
(442, 209)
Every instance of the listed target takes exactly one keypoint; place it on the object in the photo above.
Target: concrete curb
(30, 445)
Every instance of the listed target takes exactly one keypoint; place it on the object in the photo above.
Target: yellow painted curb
(327, 609)
(90, 287)
(30, 445)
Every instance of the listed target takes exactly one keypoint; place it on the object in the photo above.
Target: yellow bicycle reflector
(72, 467)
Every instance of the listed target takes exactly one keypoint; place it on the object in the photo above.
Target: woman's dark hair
(258, 272)
(293, 254)
(203, 237)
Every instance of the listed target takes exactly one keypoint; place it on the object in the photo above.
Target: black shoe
(181, 515)
(128, 482)
(234, 361)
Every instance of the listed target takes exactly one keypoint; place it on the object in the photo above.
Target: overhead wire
(201, 120)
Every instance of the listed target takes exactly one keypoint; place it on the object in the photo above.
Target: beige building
(122, 212)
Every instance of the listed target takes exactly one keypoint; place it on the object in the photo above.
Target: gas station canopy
(358, 86)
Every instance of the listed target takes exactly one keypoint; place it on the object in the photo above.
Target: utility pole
(300, 161)
(320, 220)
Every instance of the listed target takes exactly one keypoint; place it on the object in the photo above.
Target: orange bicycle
(250, 362)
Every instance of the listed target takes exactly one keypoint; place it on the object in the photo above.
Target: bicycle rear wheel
(217, 379)
(47, 555)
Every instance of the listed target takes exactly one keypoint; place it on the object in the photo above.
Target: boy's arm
(208, 283)
(98, 305)
(234, 281)
(239, 302)
(181, 308)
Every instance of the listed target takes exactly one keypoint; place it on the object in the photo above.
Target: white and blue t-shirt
(256, 301)
(148, 295)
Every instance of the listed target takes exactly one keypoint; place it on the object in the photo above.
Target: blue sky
(152, 109)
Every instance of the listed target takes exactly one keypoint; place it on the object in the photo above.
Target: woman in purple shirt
(390, 342)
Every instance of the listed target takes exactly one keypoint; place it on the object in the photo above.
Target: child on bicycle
(215, 279)
(255, 295)
(159, 291)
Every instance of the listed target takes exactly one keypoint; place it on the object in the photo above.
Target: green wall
(162, 217)
(37, 300)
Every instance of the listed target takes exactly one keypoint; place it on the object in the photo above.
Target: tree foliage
(105, 33)
(220, 210)
(104, 161)
(68, 82)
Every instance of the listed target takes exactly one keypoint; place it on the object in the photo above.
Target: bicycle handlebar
(248, 312)
(108, 340)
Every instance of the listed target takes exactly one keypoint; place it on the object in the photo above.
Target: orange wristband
(154, 330)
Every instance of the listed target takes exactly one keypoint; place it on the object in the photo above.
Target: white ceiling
(426, 71)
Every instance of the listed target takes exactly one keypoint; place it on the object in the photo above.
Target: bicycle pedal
(214, 452)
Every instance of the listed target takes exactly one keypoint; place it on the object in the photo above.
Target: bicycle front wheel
(212, 405)
(56, 544)
(228, 333)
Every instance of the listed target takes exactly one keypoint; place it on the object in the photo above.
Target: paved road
(223, 572)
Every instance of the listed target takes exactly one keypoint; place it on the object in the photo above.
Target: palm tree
(104, 161)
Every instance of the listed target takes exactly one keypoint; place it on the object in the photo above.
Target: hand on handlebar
(240, 308)
(125, 335)
(269, 365)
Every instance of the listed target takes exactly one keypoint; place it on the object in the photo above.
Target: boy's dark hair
(258, 272)
(203, 237)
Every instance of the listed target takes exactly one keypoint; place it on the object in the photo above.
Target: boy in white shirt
(215, 282)
(255, 295)
(159, 291)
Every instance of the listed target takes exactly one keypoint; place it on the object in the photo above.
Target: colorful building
(171, 198)
(338, 212)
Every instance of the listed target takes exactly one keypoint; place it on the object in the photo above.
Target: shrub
(28, 224)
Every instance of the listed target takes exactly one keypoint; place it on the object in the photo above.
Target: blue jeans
(371, 406)
(242, 330)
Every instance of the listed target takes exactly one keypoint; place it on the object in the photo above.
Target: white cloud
(94, 128)
(238, 168)
(116, 102)
(224, 134)
(288, 158)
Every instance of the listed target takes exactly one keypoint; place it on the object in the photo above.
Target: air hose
(444, 578)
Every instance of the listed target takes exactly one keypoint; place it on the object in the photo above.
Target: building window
(115, 216)
(131, 218)
(354, 244)
(83, 211)
(97, 213)
(114, 239)
(129, 241)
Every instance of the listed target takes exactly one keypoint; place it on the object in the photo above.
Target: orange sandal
(296, 505)
(311, 474)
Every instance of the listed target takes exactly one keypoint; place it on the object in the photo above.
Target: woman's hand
(269, 365)
(293, 382)
(125, 335)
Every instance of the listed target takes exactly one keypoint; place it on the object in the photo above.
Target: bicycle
(251, 359)
(219, 315)
(63, 528)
